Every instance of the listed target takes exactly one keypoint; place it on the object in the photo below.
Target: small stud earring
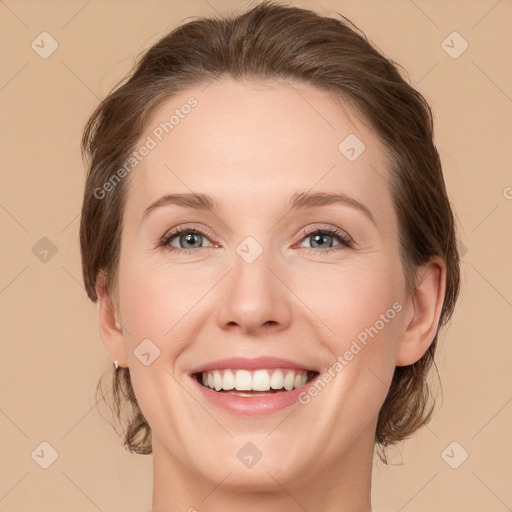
(116, 366)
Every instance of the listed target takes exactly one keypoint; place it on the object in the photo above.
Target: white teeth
(256, 380)
(217, 380)
(261, 380)
(228, 381)
(243, 380)
(289, 380)
(276, 381)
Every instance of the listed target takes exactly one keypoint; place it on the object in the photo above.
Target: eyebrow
(299, 201)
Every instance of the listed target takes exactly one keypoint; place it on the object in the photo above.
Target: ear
(424, 309)
(111, 331)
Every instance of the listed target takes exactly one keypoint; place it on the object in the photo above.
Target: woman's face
(256, 279)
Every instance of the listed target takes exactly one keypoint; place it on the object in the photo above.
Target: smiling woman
(272, 279)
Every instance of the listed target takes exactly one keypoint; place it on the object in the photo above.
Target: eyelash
(344, 239)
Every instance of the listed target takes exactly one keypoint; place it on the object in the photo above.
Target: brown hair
(272, 41)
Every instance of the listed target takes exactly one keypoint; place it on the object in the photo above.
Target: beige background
(52, 355)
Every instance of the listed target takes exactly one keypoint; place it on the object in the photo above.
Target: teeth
(217, 380)
(228, 381)
(276, 381)
(256, 380)
(289, 380)
(261, 380)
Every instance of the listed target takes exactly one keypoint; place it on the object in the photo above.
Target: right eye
(183, 236)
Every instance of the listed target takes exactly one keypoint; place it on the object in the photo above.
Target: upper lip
(244, 363)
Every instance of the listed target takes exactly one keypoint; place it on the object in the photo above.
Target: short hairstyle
(274, 41)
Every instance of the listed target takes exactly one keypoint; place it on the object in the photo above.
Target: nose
(254, 297)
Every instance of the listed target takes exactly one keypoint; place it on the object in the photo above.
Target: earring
(116, 366)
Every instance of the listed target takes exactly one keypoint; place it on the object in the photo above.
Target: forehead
(242, 142)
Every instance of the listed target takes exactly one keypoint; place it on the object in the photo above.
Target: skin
(252, 146)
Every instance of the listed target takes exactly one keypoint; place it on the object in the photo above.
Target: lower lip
(253, 405)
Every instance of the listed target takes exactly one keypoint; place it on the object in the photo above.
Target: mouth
(254, 387)
(253, 383)
(253, 393)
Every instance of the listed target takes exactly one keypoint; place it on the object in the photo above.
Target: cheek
(155, 296)
(346, 301)
(353, 300)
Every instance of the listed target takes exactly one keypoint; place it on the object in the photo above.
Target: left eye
(319, 236)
